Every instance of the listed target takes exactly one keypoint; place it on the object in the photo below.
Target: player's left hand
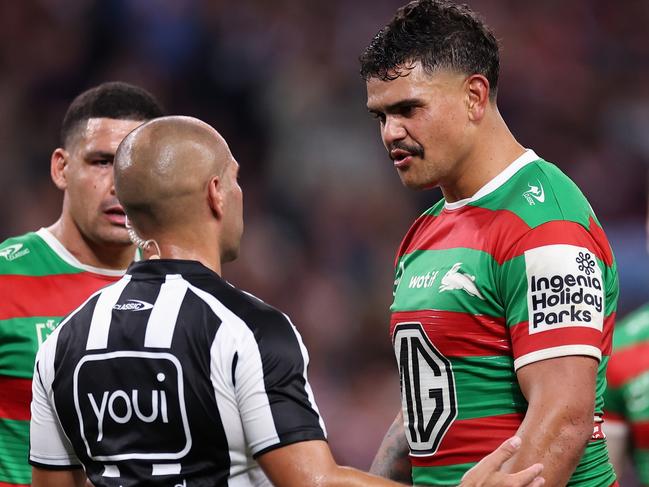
(487, 473)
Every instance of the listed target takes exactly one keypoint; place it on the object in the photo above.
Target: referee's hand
(487, 473)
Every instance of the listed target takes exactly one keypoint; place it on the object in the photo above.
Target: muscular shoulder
(22, 254)
(247, 310)
(540, 193)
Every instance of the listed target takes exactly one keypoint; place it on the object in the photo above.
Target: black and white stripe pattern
(171, 374)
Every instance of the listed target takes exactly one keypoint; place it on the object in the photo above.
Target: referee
(172, 376)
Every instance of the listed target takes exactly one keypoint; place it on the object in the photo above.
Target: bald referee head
(177, 180)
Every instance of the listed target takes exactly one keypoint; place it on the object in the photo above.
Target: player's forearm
(557, 439)
(350, 477)
(391, 460)
(58, 478)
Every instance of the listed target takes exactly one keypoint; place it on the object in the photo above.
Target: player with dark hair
(201, 383)
(505, 290)
(47, 273)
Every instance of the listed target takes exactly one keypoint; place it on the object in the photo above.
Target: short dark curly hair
(113, 99)
(440, 35)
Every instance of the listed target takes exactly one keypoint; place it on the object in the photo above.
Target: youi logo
(140, 392)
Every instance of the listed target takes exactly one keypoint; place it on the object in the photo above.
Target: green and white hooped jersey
(519, 273)
(40, 282)
(627, 394)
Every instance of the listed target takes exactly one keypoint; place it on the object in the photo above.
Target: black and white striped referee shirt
(173, 377)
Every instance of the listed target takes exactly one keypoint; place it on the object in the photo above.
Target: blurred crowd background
(324, 211)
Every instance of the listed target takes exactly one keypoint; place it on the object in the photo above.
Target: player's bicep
(554, 287)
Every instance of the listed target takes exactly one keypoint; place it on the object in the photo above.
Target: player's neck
(104, 256)
(494, 150)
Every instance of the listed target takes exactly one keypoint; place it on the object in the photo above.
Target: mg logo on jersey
(564, 288)
(13, 252)
(427, 389)
(454, 279)
(534, 193)
(136, 411)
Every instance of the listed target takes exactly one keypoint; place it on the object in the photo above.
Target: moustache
(415, 150)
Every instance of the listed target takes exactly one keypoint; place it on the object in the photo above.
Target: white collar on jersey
(66, 256)
(528, 156)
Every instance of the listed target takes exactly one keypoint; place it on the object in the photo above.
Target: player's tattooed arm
(391, 460)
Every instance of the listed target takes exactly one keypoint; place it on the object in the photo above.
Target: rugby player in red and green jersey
(626, 400)
(46, 274)
(505, 291)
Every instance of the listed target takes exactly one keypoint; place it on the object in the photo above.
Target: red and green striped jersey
(627, 395)
(40, 282)
(518, 273)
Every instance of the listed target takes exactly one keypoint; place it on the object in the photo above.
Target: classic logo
(136, 411)
(534, 193)
(455, 280)
(13, 252)
(565, 288)
(133, 305)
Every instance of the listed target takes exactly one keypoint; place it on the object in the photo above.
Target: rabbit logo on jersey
(136, 411)
(564, 288)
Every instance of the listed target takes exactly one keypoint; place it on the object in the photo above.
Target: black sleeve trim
(46, 466)
(289, 439)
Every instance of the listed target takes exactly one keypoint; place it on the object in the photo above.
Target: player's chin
(116, 236)
(417, 184)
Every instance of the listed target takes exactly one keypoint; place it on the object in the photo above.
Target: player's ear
(58, 165)
(477, 89)
(215, 197)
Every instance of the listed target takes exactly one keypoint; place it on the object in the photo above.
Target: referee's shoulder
(257, 313)
(251, 310)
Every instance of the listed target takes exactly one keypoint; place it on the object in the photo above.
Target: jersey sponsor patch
(136, 411)
(427, 388)
(564, 288)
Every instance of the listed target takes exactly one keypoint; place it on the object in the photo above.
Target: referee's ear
(215, 197)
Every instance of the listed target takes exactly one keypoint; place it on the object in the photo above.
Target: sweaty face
(232, 228)
(89, 191)
(424, 124)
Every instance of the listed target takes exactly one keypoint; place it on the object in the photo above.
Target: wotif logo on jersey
(565, 288)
